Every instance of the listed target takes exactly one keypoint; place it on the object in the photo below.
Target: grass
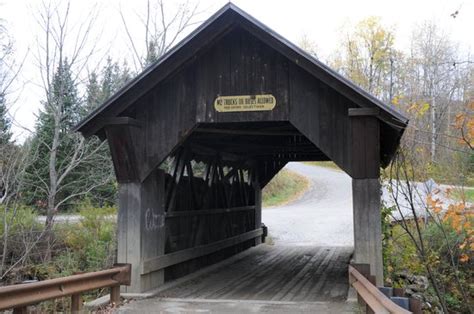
(465, 195)
(325, 164)
(285, 187)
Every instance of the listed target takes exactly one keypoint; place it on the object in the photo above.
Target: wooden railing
(18, 297)
(371, 296)
(163, 261)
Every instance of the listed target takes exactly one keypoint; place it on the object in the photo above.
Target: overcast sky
(320, 21)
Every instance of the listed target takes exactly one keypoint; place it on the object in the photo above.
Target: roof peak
(215, 25)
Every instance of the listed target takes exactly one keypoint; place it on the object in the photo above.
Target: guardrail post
(416, 306)
(20, 310)
(76, 303)
(115, 295)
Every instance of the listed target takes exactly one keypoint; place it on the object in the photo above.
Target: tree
(5, 123)
(13, 160)
(308, 45)
(60, 114)
(6, 50)
(99, 88)
(163, 24)
(62, 55)
(439, 230)
(368, 56)
(436, 78)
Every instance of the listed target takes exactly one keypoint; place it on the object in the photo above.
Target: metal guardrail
(376, 300)
(18, 297)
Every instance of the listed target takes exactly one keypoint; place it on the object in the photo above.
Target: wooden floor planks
(276, 273)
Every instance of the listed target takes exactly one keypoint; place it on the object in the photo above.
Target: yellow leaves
(419, 109)
(396, 101)
(463, 258)
(368, 47)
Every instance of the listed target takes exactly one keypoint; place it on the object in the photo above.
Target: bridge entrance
(199, 133)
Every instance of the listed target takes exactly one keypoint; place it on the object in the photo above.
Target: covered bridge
(198, 134)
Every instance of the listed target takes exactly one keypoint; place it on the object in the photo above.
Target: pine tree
(64, 102)
(99, 88)
(5, 123)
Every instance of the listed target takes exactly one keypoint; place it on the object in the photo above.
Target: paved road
(321, 217)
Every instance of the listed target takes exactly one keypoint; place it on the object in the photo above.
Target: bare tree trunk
(433, 129)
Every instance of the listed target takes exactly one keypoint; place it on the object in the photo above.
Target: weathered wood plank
(121, 121)
(167, 260)
(354, 112)
(217, 211)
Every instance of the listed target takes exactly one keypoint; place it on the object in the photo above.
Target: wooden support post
(20, 310)
(365, 159)
(76, 303)
(141, 228)
(258, 208)
(367, 225)
(115, 295)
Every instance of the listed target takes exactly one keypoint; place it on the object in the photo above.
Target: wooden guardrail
(163, 261)
(375, 300)
(18, 297)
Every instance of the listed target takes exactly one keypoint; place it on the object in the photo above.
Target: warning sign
(245, 103)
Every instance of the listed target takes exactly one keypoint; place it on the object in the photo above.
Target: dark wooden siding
(321, 114)
(240, 64)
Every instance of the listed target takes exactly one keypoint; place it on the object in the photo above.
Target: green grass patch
(325, 164)
(285, 187)
(466, 195)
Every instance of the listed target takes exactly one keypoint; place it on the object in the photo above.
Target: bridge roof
(226, 18)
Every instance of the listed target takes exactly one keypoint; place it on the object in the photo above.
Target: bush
(20, 242)
(448, 252)
(89, 244)
(84, 246)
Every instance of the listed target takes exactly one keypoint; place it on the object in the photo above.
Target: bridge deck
(279, 276)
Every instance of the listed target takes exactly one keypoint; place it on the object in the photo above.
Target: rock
(402, 275)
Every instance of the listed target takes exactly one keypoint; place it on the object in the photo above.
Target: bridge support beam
(367, 225)
(258, 210)
(141, 229)
(365, 158)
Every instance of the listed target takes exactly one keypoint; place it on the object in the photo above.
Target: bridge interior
(274, 273)
(266, 278)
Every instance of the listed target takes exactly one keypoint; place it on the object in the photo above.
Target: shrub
(21, 236)
(89, 244)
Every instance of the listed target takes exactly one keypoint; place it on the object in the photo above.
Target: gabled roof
(227, 17)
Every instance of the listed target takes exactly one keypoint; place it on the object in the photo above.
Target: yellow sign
(244, 103)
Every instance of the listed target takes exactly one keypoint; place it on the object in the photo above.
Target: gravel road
(322, 216)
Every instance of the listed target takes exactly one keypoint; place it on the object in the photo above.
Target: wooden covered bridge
(198, 134)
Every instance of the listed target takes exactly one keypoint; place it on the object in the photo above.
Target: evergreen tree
(5, 123)
(99, 88)
(63, 102)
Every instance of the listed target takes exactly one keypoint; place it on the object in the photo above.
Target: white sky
(320, 21)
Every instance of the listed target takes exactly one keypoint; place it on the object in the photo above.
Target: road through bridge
(303, 270)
